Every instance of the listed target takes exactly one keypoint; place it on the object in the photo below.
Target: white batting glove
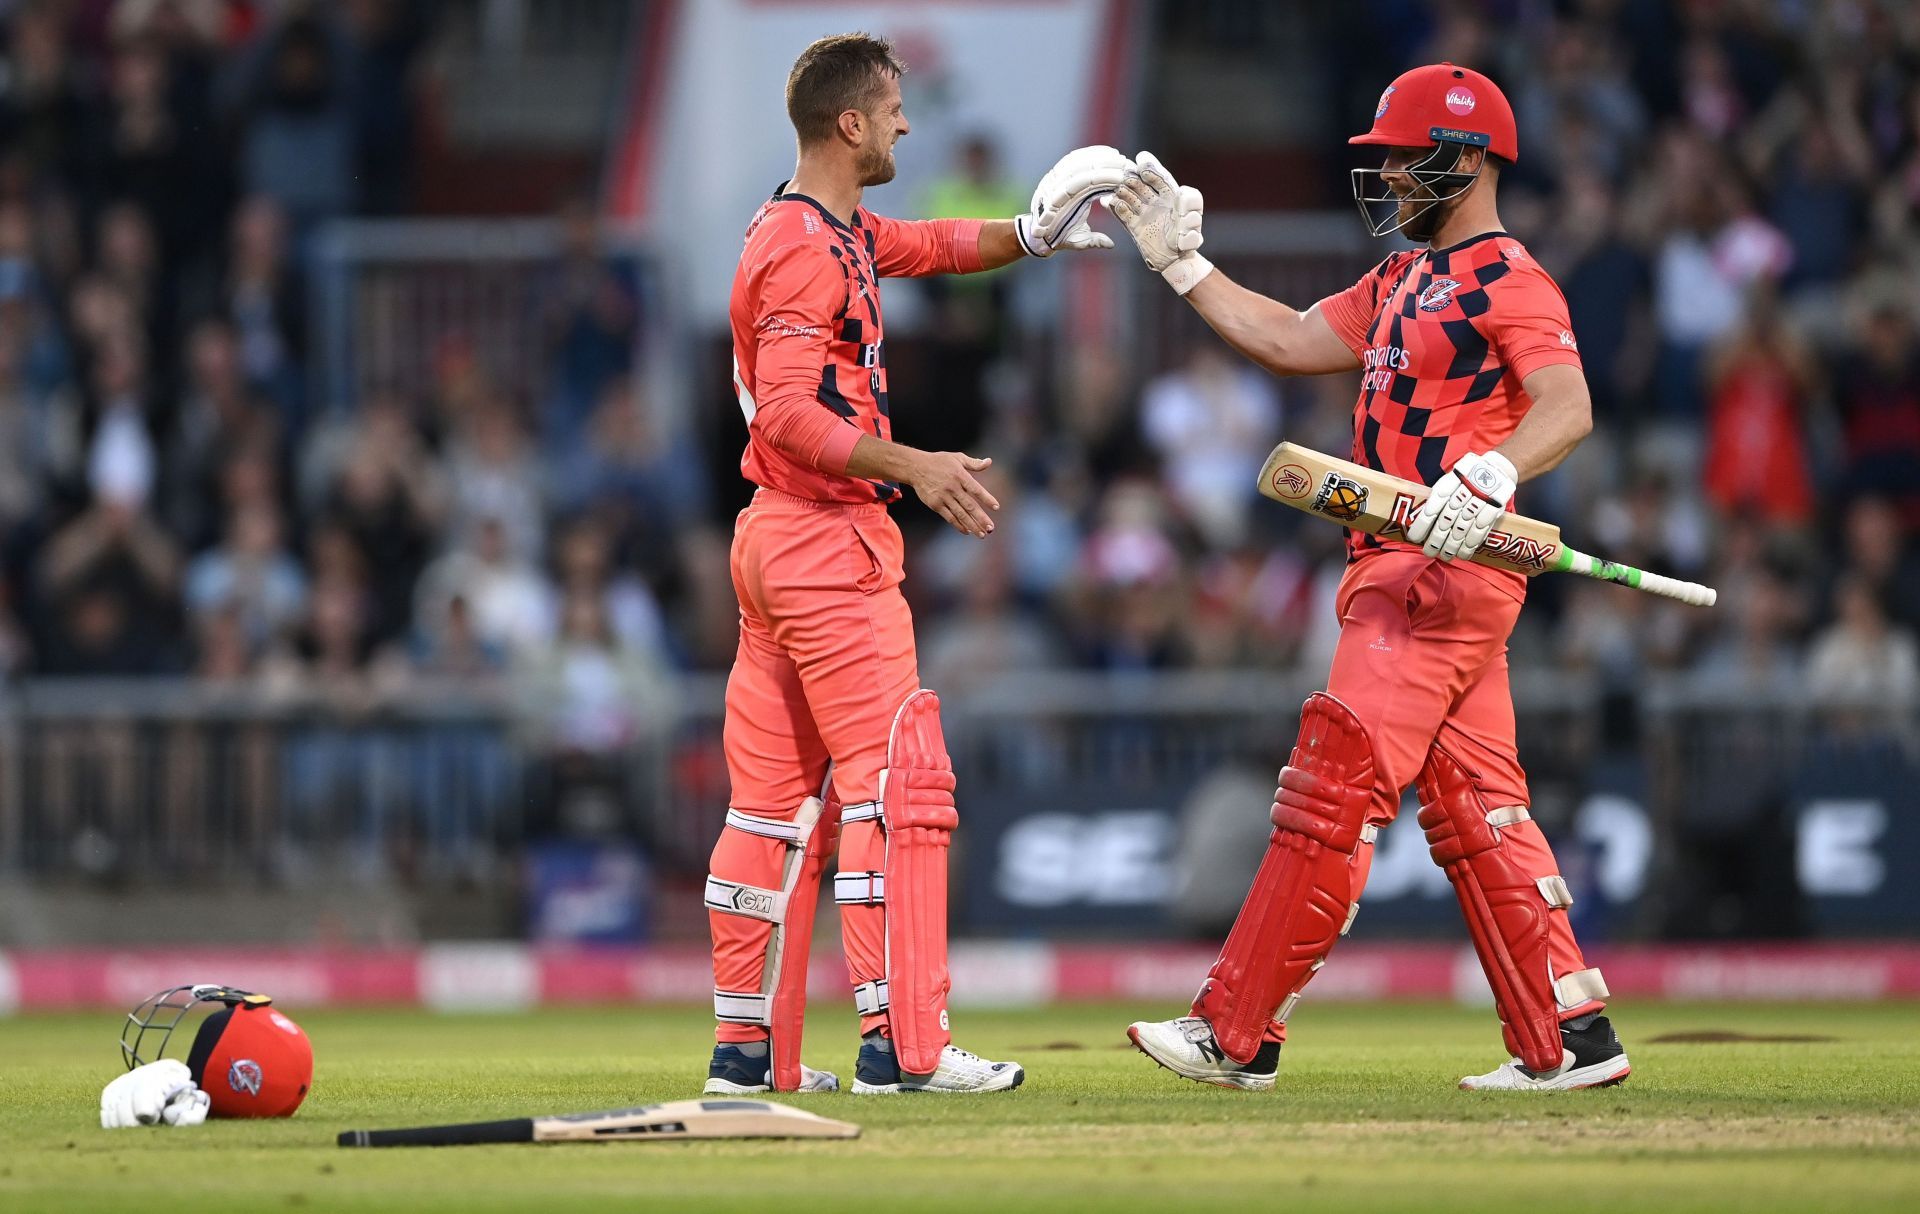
(159, 1093)
(1464, 506)
(1064, 198)
(1163, 217)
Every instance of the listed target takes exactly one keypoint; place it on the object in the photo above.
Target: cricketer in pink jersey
(826, 677)
(1471, 383)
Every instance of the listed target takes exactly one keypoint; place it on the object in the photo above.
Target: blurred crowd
(172, 498)
(1726, 189)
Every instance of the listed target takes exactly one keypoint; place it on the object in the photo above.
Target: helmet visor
(1435, 181)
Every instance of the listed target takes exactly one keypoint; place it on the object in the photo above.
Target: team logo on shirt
(1567, 339)
(1438, 295)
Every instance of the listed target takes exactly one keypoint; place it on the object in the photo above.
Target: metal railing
(181, 779)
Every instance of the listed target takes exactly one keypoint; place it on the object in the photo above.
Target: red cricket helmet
(247, 1056)
(1447, 108)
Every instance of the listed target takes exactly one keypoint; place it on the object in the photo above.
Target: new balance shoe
(1592, 1057)
(877, 1071)
(746, 1067)
(1187, 1048)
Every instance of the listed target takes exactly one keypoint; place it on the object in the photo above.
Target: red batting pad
(1306, 883)
(917, 794)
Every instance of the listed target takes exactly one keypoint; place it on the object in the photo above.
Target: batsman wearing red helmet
(1471, 384)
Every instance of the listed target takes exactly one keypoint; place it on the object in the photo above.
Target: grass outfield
(1365, 1117)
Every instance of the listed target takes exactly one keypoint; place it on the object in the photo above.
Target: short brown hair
(835, 75)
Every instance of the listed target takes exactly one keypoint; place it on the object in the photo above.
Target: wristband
(1184, 272)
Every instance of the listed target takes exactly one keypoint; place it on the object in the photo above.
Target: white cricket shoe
(1187, 1047)
(878, 1071)
(1592, 1057)
(742, 1072)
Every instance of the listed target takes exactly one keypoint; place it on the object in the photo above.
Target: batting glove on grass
(1163, 217)
(159, 1093)
(1464, 506)
(1064, 199)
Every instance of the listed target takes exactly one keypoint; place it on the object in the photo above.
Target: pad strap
(1581, 986)
(748, 901)
(860, 889)
(791, 833)
(866, 811)
(742, 1007)
(870, 998)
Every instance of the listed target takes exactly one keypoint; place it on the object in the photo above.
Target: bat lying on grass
(681, 1119)
(1374, 502)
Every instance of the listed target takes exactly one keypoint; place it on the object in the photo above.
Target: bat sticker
(1341, 498)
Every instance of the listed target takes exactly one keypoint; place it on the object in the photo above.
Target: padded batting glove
(1057, 218)
(159, 1093)
(1464, 506)
(1163, 217)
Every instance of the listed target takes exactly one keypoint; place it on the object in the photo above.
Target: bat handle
(1692, 593)
(1672, 587)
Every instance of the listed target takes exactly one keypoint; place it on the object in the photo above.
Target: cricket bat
(1370, 501)
(676, 1121)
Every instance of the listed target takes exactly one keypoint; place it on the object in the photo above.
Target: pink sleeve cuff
(837, 449)
(966, 246)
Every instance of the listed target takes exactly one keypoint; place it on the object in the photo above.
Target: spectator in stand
(1712, 251)
(1757, 461)
(447, 646)
(1862, 660)
(494, 477)
(586, 702)
(261, 297)
(127, 256)
(1212, 423)
(1879, 554)
(219, 415)
(108, 588)
(43, 108)
(23, 425)
(584, 565)
(331, 652)
(1754, 655)
(222, 652)
(251, 574)
(970, 324)
(384, 487)
(1819, 167)
(987, 635)
(1877, 388)
(386, 35)
(150, 143)
(1127, 603)
(291, 98)
(1605, 281)
(511, 602)
(591, 327)
(643, 487)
